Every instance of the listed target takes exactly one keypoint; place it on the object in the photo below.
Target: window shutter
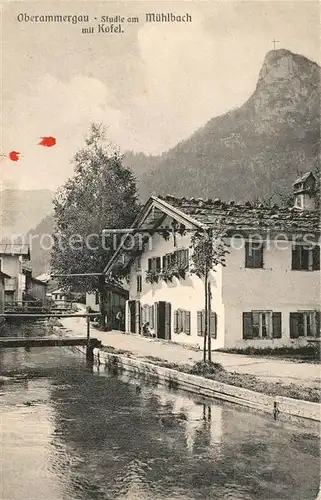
(165, 262)
(294, 325)
(203, 322)
(260, 252)
(151, 316)
(179, 321)
(316, 258)
(199, 323)
(176, 321)
(296, 257)
(247, 325)
(277, 325)
(186, 256)
(317, 324)
(213, 324)
(187, 322)
(149, 264)
(248, 255)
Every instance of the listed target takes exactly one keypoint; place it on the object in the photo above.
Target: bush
(206, 369)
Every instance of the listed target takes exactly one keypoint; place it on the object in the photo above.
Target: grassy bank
(307, 354)
(215, 371)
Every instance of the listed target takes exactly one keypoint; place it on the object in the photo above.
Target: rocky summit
(255, 151)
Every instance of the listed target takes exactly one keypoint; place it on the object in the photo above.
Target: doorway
(164, 320)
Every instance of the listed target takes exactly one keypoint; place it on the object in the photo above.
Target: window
(201, 323)
(182, 321)
(182, 258)
(254, 254)
(96, 298)
(138, 283)
(304, 324)
(262, 324)
(305, 258)
(154, 264)
(138, 263)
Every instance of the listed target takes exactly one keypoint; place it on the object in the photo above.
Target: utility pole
(274, 43)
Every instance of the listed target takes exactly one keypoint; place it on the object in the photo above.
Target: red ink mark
(14, 155)
(47, 141)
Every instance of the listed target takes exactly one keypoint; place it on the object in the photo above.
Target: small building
(266, 295)
(3, 277)
(304, 190)
(116, 298)
(60, 298)
(37, 290)
(50, 282)
(12, 258)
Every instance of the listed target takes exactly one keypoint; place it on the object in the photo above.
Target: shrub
(206, 369)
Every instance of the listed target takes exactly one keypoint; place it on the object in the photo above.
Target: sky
(152, 86)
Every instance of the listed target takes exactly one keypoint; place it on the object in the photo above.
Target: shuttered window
(305, 258)
(254, 254)
(154, 264)
(182, 321)
(201, 323)
(262, 325)
(182, 258)
(304, 324)
(138, 283)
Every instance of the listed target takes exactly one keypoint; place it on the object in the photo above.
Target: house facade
(12, 258)
(267, 294)
(116, 298)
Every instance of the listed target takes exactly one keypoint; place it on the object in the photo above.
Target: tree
(208, 251)
(101, 194)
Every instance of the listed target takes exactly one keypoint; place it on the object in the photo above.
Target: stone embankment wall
(274, 405)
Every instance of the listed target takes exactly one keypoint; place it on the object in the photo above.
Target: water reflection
(70, 434)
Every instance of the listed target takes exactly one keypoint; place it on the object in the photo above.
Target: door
(132, 315)
(163, 320)
(137, 317)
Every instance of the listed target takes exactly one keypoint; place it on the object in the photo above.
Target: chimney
(304, 190)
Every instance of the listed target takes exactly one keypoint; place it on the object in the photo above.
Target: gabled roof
(150, 217)
(44, 277)
(248, 216)
(15, 249)
(4, 275)
(231, 216)
(38, 282)
(27, 266)
(303, 178)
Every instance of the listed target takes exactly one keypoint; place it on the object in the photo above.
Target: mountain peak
(281, 64)
(274, 134)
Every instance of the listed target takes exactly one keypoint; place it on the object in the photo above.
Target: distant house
(268, 295)
(116, 298)
(304, 190)
(37, 289)
(3, 277)
(46, 278)
(12, 258)
(59, 297)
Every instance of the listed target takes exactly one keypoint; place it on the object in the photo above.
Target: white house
(268, 295)
(12, 258)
